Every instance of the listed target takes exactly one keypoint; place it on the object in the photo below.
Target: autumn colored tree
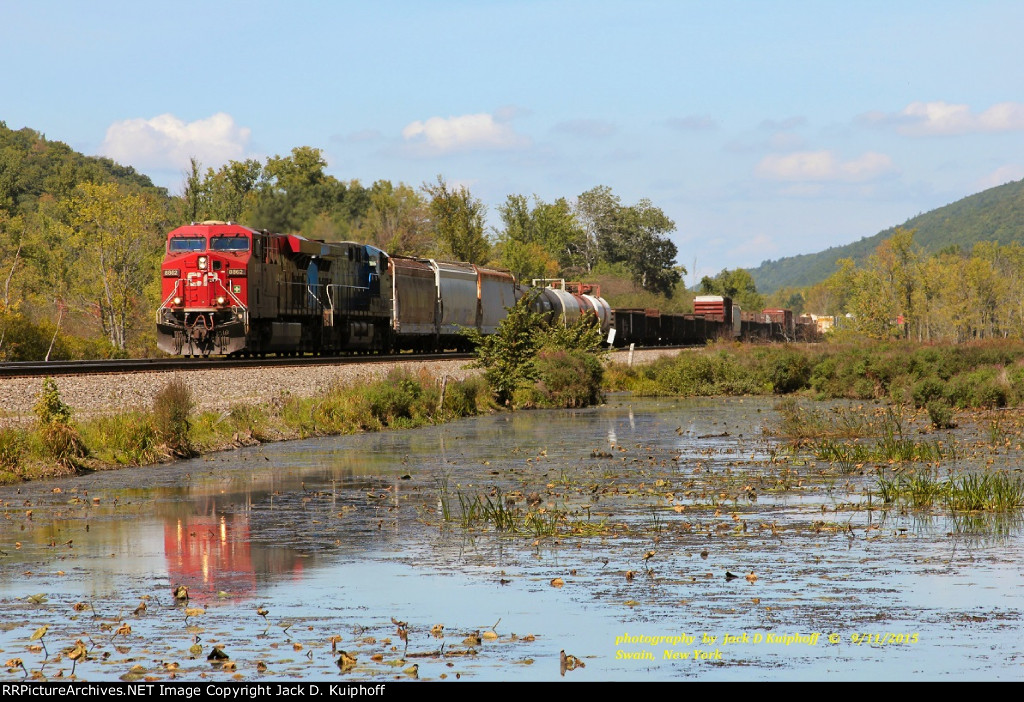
(458, 221)
(117, 236)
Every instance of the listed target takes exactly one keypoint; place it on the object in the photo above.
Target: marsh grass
(128, 438)
(797, 422)
(470, 511)
(970, 492)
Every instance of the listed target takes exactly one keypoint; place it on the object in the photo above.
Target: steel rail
(30, 369)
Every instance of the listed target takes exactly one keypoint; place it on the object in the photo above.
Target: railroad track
(38, 369)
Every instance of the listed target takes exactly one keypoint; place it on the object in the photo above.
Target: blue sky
(763, 129)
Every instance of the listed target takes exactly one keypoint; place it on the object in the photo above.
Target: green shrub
(786, 370)
(172, 409)
(928, 389)
(568, 378)
(60, 441)
(50, 408)
(941, 414)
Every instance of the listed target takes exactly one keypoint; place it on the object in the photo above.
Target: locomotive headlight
(176, 300)
(202, 263)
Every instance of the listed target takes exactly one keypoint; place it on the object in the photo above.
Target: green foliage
(50, 408)
(458, 219)
(940, 413)
(546, 241)
(172, 410)
(21, 339)
(59, 439)
(467, 397)
(567, 378)
(585, 335)
(636, 236)
(511, 359)
(397, 221)
(127, 438)
(785, 370)
(737, 284)
(117, 235)
(508, 356)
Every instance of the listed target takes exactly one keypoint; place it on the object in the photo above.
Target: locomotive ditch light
(202, 263)
(221, 300)
(176, 300)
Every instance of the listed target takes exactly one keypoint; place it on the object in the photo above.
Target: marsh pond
(645, 539)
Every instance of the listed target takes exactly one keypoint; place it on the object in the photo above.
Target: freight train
(228, 289)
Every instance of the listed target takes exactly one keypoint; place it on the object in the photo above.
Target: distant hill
(996, 214)
(32, 166)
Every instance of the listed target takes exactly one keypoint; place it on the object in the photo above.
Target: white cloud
(943, 118)
(821, 166)
(167, 142)
(463, 133)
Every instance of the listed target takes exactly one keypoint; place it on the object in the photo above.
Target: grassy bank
(56, 444)
(59, 444)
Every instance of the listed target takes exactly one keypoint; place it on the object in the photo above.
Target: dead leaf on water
(217, 654)
(78, 651)
(346, 661)
(557, 582)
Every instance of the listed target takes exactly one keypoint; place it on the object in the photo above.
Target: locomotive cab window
(229, 243)
(184, 244)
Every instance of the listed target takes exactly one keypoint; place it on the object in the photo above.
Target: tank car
(564, 303)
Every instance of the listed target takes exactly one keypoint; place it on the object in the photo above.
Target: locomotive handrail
(237, 301)
(163, 305)
(330, 298)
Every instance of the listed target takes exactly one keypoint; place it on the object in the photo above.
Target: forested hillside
(996, 214)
